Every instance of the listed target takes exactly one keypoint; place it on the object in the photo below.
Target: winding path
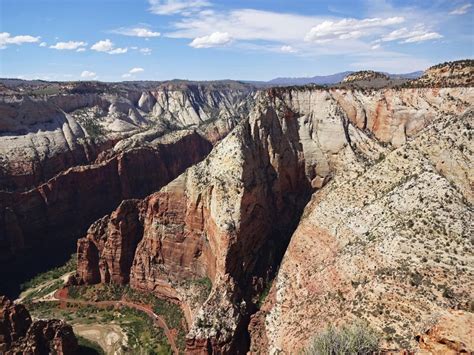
(61, 295)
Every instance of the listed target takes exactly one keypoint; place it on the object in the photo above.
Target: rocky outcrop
(70, 157)
(41, 136)
(231, 217)
(365, 75)
(451, 334)
(18, 334)
(449, 74)
(68, 203)
(390, 245)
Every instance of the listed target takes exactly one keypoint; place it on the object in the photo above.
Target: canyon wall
(391, 246)
(71, 158)
(20, 335)
(231, 217)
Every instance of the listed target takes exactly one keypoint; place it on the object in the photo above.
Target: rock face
(41, 136)
(451, 334)
(365, 75)
(69, 158)
(458, 73)
(231, 217)
(75, 198)
(18, 334)
(391, 245)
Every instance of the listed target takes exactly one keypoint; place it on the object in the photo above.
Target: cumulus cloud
(137, 32)
(349, 28)
(145, 51)
(6, 39)
(287, 49)
(169, 7)
(213, 40)
(108, 46)
(82, 49)
(43, 44)
(419, 34)
(86, 74)
(132, 72)
(461, 10)
(70, 45)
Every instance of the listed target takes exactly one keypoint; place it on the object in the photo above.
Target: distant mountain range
(326, 79)
(283, 81)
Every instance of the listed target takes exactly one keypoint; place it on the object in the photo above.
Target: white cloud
(70, 45)
(131, 73)
(246, 24)
(423, 37)
(118, 51)
(103, 46)
(86, 74)
(6, 39)
(43, 44)
(82, 49)
(213, 40)
(169, 7)
(418, 34)
(461, 10)
(288, 49)
(145, 51)
(108, 46)
(137, 32)
(349, 28)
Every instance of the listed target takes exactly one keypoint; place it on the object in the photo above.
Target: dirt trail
(61, 295)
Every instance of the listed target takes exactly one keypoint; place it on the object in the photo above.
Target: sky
(115, 40)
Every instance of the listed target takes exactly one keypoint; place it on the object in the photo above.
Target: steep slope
(71, 157)
(41, 135)
(20, 335)
(230, 217)
(391, 246)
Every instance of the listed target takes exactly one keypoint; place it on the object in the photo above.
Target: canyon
(304, 206)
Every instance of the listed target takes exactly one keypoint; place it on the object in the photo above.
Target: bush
(355, 339)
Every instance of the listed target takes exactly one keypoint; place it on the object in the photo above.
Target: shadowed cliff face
(67, 160)
(231, 217)
(19, 335)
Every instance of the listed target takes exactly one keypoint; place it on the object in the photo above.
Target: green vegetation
(204, 286)
(355, 339)
(43, 291)
(87, 347)
(52, 274)
(93, 128)
(171, 313)
(264, 294)
(143, 336)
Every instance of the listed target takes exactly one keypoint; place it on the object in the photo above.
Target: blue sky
(113, 40)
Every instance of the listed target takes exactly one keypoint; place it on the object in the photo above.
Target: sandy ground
(110, 337)
(48, 297)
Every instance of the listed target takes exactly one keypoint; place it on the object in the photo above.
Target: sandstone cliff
(391, 246)
(19, 335)
(69, 158)
(231, 217)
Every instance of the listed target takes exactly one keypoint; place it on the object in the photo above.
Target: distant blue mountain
(327, 79)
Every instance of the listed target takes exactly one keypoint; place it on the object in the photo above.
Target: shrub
(355, 339)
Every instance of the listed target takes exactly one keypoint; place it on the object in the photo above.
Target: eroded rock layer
(391, 245)
(230, 217)
(20, 335)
